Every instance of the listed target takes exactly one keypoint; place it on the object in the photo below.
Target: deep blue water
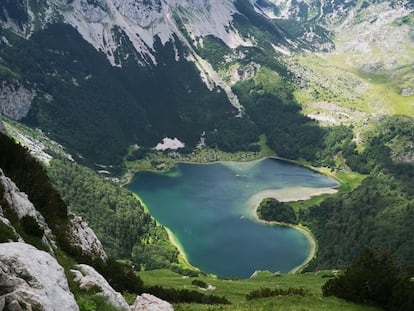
(205, 206)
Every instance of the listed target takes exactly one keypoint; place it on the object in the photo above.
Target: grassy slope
(237, 289)
(369, 68)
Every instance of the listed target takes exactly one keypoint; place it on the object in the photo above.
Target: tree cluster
(378, 213)
(272, 210)
(374, 278)
(116, 216)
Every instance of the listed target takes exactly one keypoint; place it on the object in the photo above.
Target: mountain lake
(210, 210)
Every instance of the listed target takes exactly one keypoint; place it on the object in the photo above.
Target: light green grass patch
(237, 289)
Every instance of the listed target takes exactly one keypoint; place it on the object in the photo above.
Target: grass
(237, 289)
(348, 180)
(337, 78)
(288, 303)
(315, 200)
(265, 150)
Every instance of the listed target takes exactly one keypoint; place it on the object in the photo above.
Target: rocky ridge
(31, 279)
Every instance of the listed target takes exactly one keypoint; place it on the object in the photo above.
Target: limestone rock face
(19, 202)
(32, 280)
(147, 302)
(88, 277)
(15, 100)
(82, 236)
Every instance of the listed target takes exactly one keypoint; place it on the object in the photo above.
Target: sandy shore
(182, 256)
(291, 194)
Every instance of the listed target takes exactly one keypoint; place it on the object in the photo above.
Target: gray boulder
(31, 279)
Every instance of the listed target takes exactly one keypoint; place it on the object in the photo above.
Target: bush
(199, 283)
(6, 233)
(185, 296)
(272, 210)
(267, 292)
(31, 227)
(374, 278)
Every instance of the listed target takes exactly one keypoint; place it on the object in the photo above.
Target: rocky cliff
(33, 279)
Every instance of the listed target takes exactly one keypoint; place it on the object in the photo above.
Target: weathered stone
(15, 100)
(88, 277)
(82, 236)
(32, 279)
(147, 302)
(19, 202)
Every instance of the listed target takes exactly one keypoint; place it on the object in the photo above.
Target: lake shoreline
(292, 194)
(286, 195)
(182, 256)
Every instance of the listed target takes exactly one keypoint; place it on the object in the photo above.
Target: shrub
(31, 227)
(374, 278)
(185, 296)
(199, 283)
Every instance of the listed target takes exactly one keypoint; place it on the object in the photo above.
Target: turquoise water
(205, 206)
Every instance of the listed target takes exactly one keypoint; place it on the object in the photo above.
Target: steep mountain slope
(108, 77)
(97, 109)
(124, 73)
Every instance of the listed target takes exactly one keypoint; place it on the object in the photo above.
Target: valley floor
(237, 289)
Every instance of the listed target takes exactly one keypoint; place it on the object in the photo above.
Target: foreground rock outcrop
(87, 277)
(82, 236)
(32, 280)
(147, 302)
(20, 204)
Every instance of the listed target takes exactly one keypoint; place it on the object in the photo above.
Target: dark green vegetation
(186, 296)
(273, 210)
(199, 283)
(30, 177)
(374, 278)
(98, 110)
(116, 216)
(380, 212)
(267, 292)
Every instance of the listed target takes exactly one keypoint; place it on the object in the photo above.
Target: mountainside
(119, 82)
(134, 49)
(119, 85)
(132, 73)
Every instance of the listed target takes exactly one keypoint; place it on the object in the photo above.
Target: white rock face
(20, 203)
(147, 302)
(142, 20)
(32, 278)
(88, 277)
(81, 235)
(15, 100)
